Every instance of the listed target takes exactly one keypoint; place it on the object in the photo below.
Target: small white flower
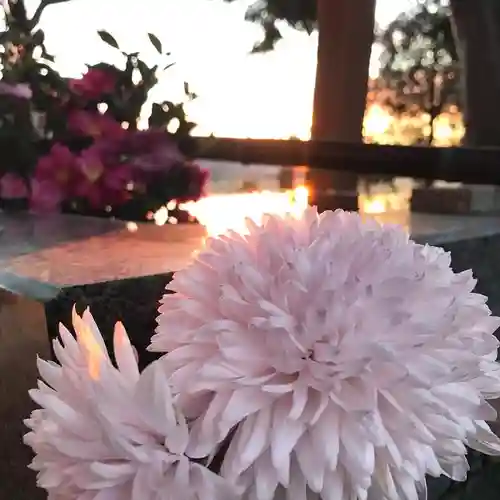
(351, 360)
(106, 433)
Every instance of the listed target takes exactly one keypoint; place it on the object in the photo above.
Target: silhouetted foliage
(300, 14)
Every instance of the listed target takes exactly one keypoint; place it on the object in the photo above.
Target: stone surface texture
(476, 199)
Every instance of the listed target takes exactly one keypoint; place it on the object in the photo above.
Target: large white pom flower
(354, 360)
(111, 434)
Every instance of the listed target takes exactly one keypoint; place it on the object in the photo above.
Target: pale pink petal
(351, 360)
(12, 186)
(107, 433)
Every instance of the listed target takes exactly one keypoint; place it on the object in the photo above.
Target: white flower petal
(112, 433)
(124, 354)
(373, 357)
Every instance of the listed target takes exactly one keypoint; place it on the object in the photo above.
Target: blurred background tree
(475, 24)
(419, 67)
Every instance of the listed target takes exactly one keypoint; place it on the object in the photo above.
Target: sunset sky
(240, 95)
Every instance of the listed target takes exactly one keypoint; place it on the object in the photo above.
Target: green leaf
(272, 36)
(187, 127)
(108, 38)
(146, 72)
(155, 41)
(53, 2)
(38, 37)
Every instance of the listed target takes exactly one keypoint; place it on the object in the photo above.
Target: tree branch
(39, 11)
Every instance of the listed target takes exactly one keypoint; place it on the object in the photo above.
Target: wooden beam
(467, 165)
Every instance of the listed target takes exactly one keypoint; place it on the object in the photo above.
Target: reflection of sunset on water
(222, 212)
(219, 213)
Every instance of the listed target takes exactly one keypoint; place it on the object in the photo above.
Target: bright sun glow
(377, 121)
(219, 213)
(382, 203)
(376, 206)
(222, 212)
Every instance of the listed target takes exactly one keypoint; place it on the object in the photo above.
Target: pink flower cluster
(111, 169)
(118, 164)
(62, 175)
(93, 84)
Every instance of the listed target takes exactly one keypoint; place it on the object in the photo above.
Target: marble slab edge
(133, 301)
(28, 287)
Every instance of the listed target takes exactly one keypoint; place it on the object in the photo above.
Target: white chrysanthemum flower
(104, 433)
(352, 360)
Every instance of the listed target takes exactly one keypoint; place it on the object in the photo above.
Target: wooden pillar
(477, 24)
(344, 47)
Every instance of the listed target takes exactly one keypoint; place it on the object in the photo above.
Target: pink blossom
(21, 90)
(59, 164)
(55, 178)
(94, 84)
(13, 186)
(153, 155)
(115, 433)
(94, 124)
(191, 180)
(104, 180)
(151, 150)
(46, 195)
